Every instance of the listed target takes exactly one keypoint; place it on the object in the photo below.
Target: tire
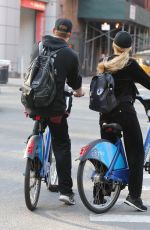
(32, 182)
(96, 193)
(52, 178)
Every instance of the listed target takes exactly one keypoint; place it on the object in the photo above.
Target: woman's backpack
(102, 97)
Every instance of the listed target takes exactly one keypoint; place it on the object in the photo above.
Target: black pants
(127, 118)
(62, 150)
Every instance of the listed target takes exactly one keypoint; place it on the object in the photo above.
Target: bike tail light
(84, 150)
(37, 118)
(109, 130)
(30, 147)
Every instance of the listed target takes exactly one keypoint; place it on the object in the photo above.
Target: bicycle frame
(39, 146)
(119, 174)
(45, 150)
(147, 144)
(113, 157)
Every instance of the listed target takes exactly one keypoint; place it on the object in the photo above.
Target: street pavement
(51, 214)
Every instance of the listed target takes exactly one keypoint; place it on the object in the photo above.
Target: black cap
(123, 39)
(63, 25)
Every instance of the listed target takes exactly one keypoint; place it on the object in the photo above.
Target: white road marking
(141, 89)
(124, 218)
(144, 188)
(120, 218)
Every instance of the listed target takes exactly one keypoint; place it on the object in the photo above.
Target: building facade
(22, 23)
(9, 30)
(102, 19)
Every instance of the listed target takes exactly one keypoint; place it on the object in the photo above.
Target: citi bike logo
(100, 91)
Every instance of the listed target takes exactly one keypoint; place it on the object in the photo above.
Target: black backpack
(102, 97)
(39, 88)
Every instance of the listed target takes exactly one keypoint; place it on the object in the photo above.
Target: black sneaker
(136, 203)
(67, 198)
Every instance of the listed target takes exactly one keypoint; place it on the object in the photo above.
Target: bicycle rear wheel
(96, 193)
(52, 178)
(32, 183)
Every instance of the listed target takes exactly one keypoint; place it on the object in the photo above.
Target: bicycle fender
(103, 151)
(32, 147)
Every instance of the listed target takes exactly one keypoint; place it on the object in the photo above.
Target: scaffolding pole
(84, 56)
(92, 52)
(134, 40)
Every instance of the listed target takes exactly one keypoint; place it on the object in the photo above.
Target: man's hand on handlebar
(79, 92)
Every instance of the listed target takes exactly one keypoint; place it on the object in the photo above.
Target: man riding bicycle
(67, 70)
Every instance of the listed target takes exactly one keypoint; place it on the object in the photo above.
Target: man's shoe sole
(132, 205)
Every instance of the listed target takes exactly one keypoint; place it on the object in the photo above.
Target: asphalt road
(52, 214)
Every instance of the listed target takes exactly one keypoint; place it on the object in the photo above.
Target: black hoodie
(67, 67)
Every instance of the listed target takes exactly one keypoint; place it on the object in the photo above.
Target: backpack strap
(52, 53)
(105, 59)
(41, 48)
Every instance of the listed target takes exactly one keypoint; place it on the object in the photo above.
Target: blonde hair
(116, 63)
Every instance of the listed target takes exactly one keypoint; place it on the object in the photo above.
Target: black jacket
(67, 69)
(126, 78)
(125, 88)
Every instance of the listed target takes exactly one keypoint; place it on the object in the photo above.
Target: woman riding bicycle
(126, 72)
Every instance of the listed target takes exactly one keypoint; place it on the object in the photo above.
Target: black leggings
(133, 142)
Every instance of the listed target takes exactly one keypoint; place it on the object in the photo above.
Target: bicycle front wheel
(32, 183)
(96, 193)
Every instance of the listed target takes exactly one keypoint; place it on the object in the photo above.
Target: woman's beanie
(123, 39)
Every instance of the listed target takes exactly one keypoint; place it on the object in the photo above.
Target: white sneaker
(67, 199)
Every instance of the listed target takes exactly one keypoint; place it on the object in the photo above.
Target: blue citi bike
(103, 168)
(40, 160)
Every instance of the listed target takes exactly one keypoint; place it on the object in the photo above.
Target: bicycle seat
(112, 127)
